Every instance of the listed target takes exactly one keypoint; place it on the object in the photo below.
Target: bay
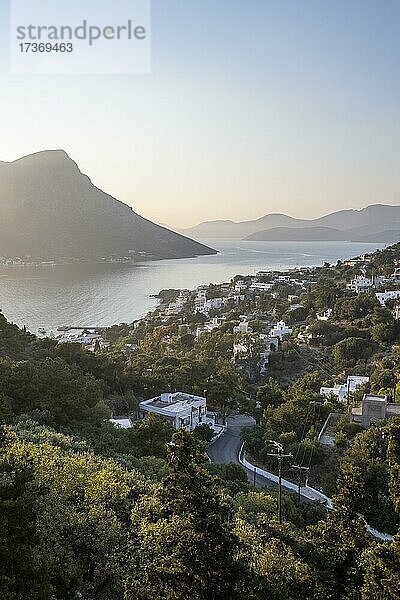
(100, 295)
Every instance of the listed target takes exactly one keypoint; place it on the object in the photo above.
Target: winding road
(226, 448)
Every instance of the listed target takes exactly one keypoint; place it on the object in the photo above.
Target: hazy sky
(252, 107)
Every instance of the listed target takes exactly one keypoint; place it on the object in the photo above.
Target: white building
(362, 284)
(338, 390)
(200, 301)
(214, 323)
(89, 340)
(183, 411)
(325, 315)
(341, 390)
(241, 285)
(172, 309)
(214, 304)
(295, 306)
(260, 287)
(383, 297)
(280, 330)
(121, 423)
(210, 326)
(354, 382)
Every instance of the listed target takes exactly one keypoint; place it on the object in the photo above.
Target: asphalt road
(226, 448)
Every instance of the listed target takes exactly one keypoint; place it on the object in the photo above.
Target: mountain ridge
(373, 218)
(49, 208)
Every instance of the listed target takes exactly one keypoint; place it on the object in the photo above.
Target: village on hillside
(280, 390)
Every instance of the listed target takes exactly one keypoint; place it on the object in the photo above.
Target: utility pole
(279, 456)
(348, 392)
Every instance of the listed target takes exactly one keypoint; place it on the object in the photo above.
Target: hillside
(370, 220)
(325, 234)
(48, 208)
(307, 234)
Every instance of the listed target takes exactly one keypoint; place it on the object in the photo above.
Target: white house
(383, 297)
(340, 390)
(354, 382)
(238, 298)
(214, 304)
(259, 286)
(325, 315)
(241, 350)
(200, 301)
(173, 308)
(362, 284)
(214, 323)
(210, 326)
(180, 409)
(89, 340)
(280, 330)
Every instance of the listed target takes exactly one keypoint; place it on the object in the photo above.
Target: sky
(250, 108)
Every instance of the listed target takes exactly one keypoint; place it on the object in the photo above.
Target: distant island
(321, 234)
(375, 223)
(50, 211)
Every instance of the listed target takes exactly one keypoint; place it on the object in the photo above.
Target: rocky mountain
(368, 221)
(48, 208)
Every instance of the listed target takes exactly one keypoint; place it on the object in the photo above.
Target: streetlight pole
(299, 468)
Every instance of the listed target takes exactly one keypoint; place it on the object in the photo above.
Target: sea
(101, 295)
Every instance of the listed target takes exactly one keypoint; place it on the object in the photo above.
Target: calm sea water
(102, 295)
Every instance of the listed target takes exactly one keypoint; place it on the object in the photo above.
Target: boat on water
(42, 331)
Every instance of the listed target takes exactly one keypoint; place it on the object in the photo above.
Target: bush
(203, 432)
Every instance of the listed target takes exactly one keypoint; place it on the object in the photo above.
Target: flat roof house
(373, 409)
(180, 409)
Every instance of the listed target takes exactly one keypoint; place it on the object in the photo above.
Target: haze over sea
(107, 294)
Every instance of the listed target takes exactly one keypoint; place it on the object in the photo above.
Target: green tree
(54, 386)
(151, 436)
(187, 547)
(270, 394)
(349, 351)
(364, 481)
